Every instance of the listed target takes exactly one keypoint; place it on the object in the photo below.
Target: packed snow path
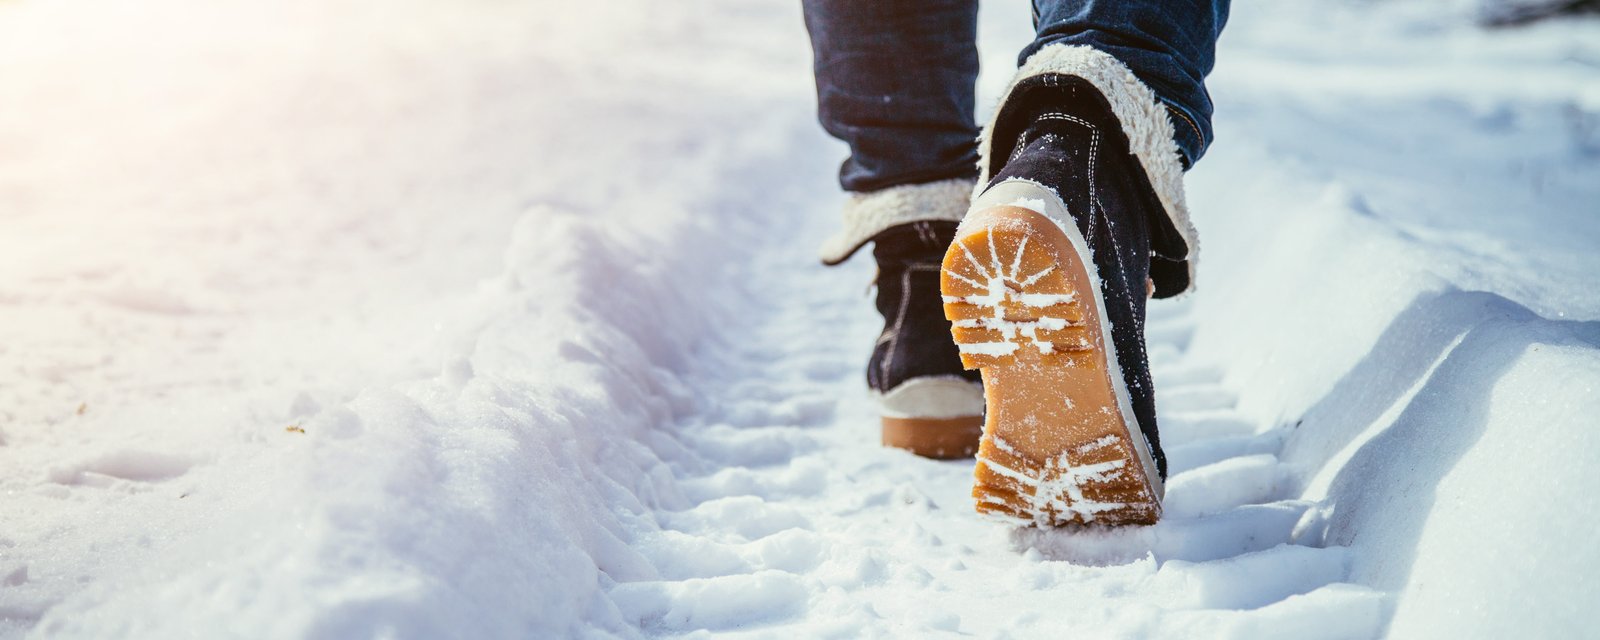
(795, 513)
(502, 320)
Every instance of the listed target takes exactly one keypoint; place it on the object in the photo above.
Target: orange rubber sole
(1058, 447)
(938, 438)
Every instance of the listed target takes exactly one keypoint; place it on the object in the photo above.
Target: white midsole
(933, 397)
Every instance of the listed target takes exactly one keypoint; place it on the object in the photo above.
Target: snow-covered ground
(486, 319)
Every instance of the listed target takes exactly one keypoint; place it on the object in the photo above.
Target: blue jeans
(895, 78)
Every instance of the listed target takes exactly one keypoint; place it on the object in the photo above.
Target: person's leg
(895, 80)
(1169, 45)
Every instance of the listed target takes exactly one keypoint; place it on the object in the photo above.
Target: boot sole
(1059, 445)
(938, 438)
(934, 417)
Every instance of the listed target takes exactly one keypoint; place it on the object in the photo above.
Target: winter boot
(930, 405)
(1046, 287)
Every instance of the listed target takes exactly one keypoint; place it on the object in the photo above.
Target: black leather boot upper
(916, 336)
(1060, 132)
(1059, 97)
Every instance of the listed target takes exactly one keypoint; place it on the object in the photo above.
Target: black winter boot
(930, 404)
(1046, 284)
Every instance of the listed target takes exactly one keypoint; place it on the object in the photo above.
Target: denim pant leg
(1169, 44)
(895, 80)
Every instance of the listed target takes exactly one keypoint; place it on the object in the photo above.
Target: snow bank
(1441, 427)
(392, 339)
(415, 504)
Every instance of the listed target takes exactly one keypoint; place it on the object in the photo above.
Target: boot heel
(933, 417)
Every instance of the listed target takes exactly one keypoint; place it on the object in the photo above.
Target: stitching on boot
(1094, 155)
(893, 332)
(1096, 211)
(899, 319)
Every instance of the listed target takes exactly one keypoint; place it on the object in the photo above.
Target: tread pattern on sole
(1055, 449)
(1000, 308)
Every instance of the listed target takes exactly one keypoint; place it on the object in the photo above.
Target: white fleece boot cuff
(869, 213)
(1145, 120)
